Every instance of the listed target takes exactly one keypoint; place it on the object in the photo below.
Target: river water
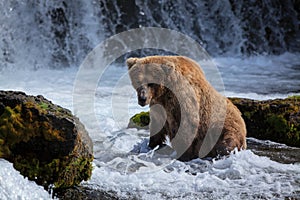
(43, 43)
(126, 168)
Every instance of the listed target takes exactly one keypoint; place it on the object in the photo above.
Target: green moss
(11, 118)
(23, 123)
(276, 120)
(47, 107)
(141, 119)
(282, 130)
(77, 170)
(44, 105)
(295, 97)
(4, 152)
(11, 128)
(247, 114)
(34, 106)
(20, 124)
(62, 173)
(293, 135)
(276, 124)
(29, 166)
(74, 172)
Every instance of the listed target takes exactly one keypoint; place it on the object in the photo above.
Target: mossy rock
(45, 142)
(140, 121)
(277, 120)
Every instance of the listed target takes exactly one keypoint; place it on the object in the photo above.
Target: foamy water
(14, 186)
(124, 165)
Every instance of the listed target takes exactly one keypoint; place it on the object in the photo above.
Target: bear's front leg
(158, 129)
(157, 139)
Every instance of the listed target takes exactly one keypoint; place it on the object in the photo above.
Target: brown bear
(199, 121)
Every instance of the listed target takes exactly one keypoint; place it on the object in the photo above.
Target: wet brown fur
(192, 107)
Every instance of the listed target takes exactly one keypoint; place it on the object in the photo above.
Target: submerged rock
(45, 142)
(277, 120)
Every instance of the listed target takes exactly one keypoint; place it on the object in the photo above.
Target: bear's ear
(130, 62)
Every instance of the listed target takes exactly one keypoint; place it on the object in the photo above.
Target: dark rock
(84, 193)
(45, 142)
(277, 120)
(259, 31)
(275, 151)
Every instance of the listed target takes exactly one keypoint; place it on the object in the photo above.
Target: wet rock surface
(275, 151)
(84, 193)
(45, 142)
(277, 120)
(263, 147)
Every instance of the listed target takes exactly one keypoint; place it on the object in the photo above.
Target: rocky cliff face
(229, 27)
(59, 34)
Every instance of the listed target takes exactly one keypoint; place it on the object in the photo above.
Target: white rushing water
(41, 39)
(40, 33)
(124, 165)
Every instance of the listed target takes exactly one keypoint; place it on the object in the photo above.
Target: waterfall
(56, 34)
(41, 33)
(229, 27)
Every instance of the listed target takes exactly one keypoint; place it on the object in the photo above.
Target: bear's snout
(142, 95)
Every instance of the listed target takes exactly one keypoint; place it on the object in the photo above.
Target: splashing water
(125, 167)
(39, 35)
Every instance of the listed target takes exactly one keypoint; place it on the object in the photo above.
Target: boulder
(45, 142)
(277, 120)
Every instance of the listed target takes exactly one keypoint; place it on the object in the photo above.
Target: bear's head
(149, 77)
